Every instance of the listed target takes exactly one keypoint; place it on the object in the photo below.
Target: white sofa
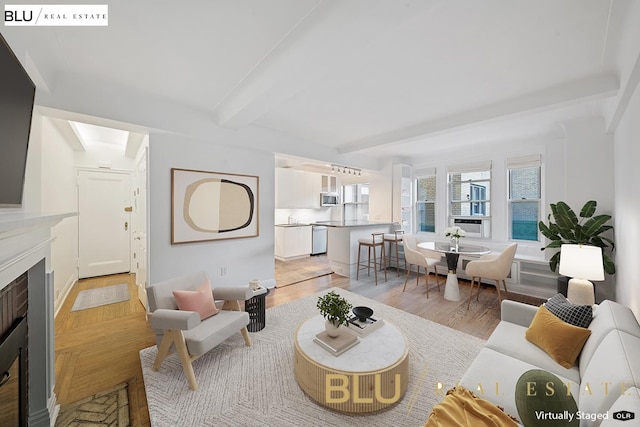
(609, 362)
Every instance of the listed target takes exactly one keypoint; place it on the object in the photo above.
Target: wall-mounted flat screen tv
(17, 93)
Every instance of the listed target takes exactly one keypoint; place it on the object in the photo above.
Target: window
(426, 202)
(524, 197)
(470, 198)
(355, 202)
(478, 192)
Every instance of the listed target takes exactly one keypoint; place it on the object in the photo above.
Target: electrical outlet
(223, 271)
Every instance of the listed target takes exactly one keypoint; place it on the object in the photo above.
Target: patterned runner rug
(101, 296)
(256, 386)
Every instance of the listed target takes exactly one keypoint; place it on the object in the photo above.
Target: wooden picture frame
(208, 206)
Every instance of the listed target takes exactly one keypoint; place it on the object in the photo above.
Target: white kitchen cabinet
(292, 242)
(329, 184)
(315, 188)
(297, 189)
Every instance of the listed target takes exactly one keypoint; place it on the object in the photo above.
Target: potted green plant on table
(564, 227)
(335, 309)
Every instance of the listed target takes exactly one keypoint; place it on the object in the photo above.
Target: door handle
(126, 225)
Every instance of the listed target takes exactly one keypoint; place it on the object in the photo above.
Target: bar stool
(375, 241)
(394, 239)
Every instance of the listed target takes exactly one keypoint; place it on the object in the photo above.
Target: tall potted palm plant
(565, 227)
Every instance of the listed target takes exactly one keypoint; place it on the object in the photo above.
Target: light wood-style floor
(292, 272)
(98, 348)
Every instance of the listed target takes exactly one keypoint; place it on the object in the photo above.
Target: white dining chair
(491, 266)
(420, 258)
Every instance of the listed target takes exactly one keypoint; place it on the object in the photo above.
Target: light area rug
(91, 298)
(256, 386)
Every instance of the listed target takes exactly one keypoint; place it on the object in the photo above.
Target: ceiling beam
(134, 142)
(329, 36)
(625, 97)
(572, 93)
(69, 134)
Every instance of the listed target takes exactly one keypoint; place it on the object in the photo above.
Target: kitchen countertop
(351, 223)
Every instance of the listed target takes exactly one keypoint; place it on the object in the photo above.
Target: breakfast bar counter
(342, 242)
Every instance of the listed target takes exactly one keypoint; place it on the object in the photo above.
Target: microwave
(329, 199)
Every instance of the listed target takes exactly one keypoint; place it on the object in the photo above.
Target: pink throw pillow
(200, 300)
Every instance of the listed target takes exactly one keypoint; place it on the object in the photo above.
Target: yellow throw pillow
(561, 340)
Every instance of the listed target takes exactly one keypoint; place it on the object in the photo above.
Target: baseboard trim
(64, 294)
(54, 408)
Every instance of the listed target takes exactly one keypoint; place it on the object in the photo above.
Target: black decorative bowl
(362, 313)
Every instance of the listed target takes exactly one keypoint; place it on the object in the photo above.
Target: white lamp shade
(582, 262)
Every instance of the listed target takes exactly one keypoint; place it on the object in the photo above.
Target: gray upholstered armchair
(183, 329)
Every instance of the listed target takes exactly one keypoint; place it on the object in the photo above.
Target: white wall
(589, 164)
(59, 194)
(626, 160)
(50, 187)
(380, 194)
(627, 206)
(589, 175)
(244, 258)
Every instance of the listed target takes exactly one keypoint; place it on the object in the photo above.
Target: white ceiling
(92, 135)
(371, 78)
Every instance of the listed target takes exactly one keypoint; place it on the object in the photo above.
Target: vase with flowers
(454, 233)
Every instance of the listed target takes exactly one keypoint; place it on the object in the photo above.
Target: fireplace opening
(13, 375)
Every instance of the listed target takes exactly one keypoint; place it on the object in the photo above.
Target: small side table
(255, 306)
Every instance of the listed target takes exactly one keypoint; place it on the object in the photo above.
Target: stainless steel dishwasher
(319, 240)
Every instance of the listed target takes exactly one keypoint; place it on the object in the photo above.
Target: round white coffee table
(370, 376)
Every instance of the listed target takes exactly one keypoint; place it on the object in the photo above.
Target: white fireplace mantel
(25, 246)
(24, 239)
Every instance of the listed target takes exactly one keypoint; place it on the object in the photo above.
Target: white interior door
(104, 202)
(139, 228)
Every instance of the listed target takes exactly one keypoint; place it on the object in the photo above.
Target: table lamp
(582, 263)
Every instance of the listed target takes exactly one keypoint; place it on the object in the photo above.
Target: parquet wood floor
(98, 348)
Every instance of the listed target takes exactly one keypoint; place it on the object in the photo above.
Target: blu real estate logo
(337, 388)
(56, 15)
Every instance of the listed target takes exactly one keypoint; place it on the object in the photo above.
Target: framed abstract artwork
(209, 206)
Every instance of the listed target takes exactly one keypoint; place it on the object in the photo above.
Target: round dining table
(451, 288)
